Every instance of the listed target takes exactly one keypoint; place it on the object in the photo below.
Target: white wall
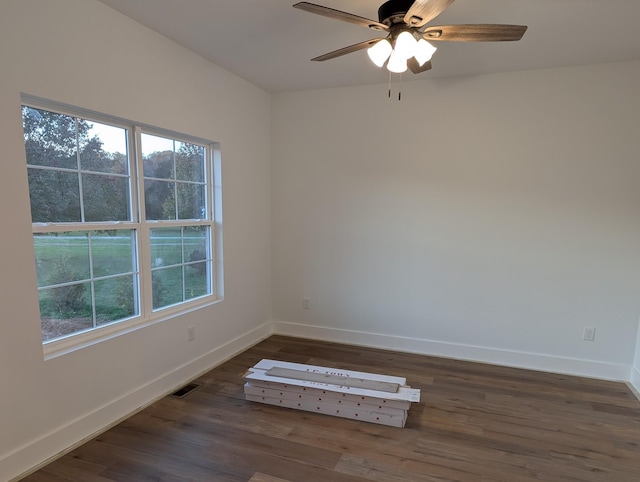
(489, 218)
(82, 53)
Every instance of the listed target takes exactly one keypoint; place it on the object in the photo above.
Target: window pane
(51, 139)
(159, 199)
(158, 165)
(106, 198)
(167, 287)
(166, 247)
(189, 162)
(55, 196)
(158, 156)
(191, 204)
(61, 257)
(112, 252)
(105, 150)
(196, 276)
(115, 299)
(187, 250)
(65, 310)
(195, 243)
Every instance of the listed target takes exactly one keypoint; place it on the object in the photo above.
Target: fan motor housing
(393, 11)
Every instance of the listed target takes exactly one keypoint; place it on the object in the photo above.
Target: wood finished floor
(475, 423)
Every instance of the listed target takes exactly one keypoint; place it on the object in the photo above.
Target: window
(123, 220)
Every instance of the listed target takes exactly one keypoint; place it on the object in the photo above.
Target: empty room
(192, 189)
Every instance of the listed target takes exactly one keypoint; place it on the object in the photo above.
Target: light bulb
(379, 52)
(397, 63)
(424, 51)
(405, 45)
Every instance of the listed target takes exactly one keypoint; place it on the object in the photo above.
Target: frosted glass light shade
(380, 52)
(405, 46)
(424, 51)
(397, 63)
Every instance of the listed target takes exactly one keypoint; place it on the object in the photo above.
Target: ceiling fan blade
(340, 15)
(346, 50)
(416, 68)
(423, 11)
(475, 33)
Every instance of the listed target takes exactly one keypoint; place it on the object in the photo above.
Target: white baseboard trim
(634, 380)
(531, 361)
(37, 453)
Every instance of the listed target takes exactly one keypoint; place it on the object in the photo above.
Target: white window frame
(147, 315)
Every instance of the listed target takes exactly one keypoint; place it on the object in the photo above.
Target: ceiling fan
(406, 45)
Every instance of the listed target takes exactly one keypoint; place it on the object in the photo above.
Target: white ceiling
(269, 43)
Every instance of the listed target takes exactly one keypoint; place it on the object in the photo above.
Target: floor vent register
(362, 396)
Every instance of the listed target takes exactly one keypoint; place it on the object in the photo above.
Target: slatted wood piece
(332, 379)
(405, 392)
(323, 393)
(331, 391)
(367, 410)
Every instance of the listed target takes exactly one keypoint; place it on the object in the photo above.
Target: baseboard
(34, 455)
(531, 361)
(37, 453)
(634, 381)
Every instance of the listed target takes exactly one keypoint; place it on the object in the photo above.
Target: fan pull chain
(399, 87)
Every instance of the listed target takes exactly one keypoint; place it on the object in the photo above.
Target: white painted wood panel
(336, 398)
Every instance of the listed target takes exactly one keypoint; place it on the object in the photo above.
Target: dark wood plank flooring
(475, 423)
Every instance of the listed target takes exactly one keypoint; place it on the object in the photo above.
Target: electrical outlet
(589, 333)
(191, 333)
(306, 303)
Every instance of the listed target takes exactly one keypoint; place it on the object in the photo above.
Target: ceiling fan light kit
(405, 46)
(405, 21)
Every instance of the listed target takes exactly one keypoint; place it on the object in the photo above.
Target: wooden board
(267, 364)
(369, 397)
(333, 379)
(309, 396)
(404, 393)
(337, 397)
(365, 414)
